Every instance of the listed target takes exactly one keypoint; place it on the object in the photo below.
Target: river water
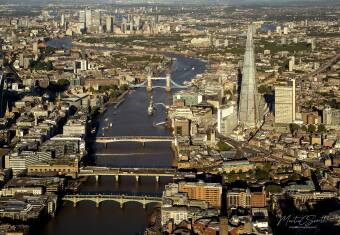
(130, 118)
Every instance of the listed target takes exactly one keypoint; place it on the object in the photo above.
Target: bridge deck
(120, 198)
(107, 139)
(88, 171)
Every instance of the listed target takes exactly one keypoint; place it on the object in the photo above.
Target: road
(323, 67)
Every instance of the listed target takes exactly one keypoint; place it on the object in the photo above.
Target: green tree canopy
(322, 128)
(273, 188)
(311, 128)
(223, 146)
(293, 128)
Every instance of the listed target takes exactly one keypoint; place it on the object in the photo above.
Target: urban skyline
(168, 117)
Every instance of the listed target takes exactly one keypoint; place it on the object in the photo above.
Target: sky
(269, 2)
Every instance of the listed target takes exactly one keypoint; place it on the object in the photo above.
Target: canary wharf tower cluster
(249, 111)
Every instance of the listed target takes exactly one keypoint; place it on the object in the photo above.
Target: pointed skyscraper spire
(249, 115)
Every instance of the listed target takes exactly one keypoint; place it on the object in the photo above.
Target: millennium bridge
(120, 198)
(142, 139)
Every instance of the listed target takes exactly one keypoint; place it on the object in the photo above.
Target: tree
(223, 146)
(322, 128)
(124, 87)
(261, 174)
(294, 177)
(293, 128)
(60, 86)
(304, 128)
(264, 89)
(273, 188)
(49, 66)
(311, 128)
(113, 93)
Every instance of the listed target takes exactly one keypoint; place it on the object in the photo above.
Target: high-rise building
(62, 20)
(285, 103)
(108, 24)
(226, 119)
(97, 18)
(249, 114)
(82, 16)
(88, 18)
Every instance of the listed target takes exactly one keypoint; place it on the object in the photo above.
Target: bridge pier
(149, 83)
(157, 178)
(105, 144)
(74, 202)
(121, 202)
(137, 178)
(97, 202)
(117, 178)
(97, 178)
(168, 83)
(143, 144)
(144, 203)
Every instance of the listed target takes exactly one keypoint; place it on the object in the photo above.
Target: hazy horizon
(170, 2)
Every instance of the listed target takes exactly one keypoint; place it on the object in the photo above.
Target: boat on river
(151, 107)
(93, 130)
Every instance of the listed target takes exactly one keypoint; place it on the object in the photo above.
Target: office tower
(249, 115)
(88, 18)
(62, 20)
(97, 18)
(109, 24)
(285, 103)
(82, 16)
(226, 119)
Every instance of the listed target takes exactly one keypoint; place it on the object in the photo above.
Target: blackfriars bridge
(120, 198)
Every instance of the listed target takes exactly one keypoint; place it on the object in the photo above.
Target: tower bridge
(169, 83)
(120, 198)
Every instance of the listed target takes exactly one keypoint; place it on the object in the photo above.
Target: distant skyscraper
(82, 16)
(97, 18)
(108, 24)
(62, 20)
(88, 18)
(249, 115)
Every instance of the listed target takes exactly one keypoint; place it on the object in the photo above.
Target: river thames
(130, 118)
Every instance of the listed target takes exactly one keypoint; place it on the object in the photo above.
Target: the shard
(249, 115)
